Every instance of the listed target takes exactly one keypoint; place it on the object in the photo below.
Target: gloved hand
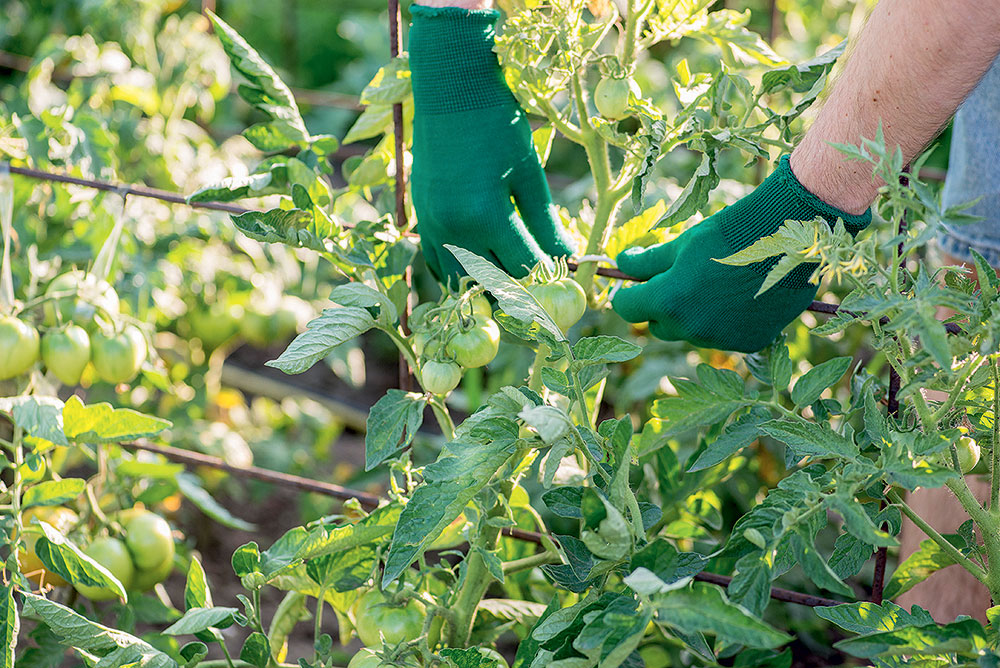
(689, 296)
(473, 152)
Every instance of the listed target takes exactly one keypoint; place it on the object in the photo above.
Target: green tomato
(440, 377)
(476, 347)
(66, 353)
(564, 300)
(144, 580)
(424, 345)
(481, 307)
(378, 622)
(118, 357)
(366, 658)
(18, 347)
(611, 97)
(113, 555)
(93, 299)
(213, 324)
(968, 453)
(149, 540)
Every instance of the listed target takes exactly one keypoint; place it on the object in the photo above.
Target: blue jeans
(974, 172)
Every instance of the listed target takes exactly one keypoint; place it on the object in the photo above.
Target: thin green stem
(535, 380)
(533, 561)
(318, 621)
(225, 651)
(957, 390)
(443, 417)
(975, 569)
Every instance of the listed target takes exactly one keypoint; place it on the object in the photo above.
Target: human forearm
(912, 66)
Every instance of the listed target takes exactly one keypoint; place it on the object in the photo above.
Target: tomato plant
(588, 495)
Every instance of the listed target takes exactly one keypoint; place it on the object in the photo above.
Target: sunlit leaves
(705, 608)
(102, 423)
(392, 424)
(332, 328)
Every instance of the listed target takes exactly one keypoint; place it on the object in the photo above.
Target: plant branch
(533, 561)
(975, 569)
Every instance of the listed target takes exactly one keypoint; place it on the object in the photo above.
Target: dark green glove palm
(473, 155)
(689, 296)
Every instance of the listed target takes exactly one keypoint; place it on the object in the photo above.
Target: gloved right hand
(473, 152)
(689, 296)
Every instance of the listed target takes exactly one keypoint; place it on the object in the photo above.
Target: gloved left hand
(473, 152)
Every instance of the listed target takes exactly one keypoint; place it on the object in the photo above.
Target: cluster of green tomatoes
(140, 554)
(460, 332)
(81, 325)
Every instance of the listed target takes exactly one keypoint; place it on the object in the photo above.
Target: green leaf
(866, 617)
(61, 556)
(332, 328)
(512, 297)
(815, 565)
(359, 294)
(704, 608)
(738, 435)
(934, 338)
(858, 523)
(268, 182)
(102, 423)
(519, 611)
(193, 652)
(10, 625)
(206, 503)
(196, 592)
(374, 528)
(459, 473)
(917, 567)
(604, 350)
(695, 193)
(256, 650)
(246, 559)
(662, 567)
(375, 120)
(270, 137)
(698, 405)
(293, 227)
(265, 90)
(73, 629)
(468, 658)
(966, 636)
(53, 492)
(802, 76)
(810, 386)
(810, 439)
(392, 424)
(149, 470)
(196, 620)
(41, 417)
(390, 85)
(550, 422)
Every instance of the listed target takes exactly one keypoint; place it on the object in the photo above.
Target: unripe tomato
(424, 345)
(366, 658)
(481, 307)
(144, 580)
(378, 621)
(213, 325)
(18, 347)
(968, 453)
(148, 538)
(477, 346)
(118, 357)
(611, 97)
(66, 353)
(113, 555)
(94, 298)
(62, 520)
(440, 377)
(564, 300)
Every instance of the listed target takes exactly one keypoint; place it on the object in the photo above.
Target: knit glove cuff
(779, 198)
(452, 63)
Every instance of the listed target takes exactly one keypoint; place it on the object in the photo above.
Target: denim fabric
(974, 172)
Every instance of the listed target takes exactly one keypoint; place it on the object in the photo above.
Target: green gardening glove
(473, 152)
(689, 296)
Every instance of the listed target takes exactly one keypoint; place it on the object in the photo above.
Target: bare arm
(913, 64)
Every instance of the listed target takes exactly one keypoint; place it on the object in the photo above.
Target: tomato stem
(995, 458)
